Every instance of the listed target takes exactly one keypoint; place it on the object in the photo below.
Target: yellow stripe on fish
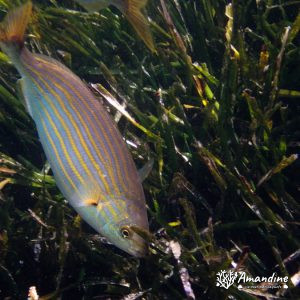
(89, 158)
(78, 113)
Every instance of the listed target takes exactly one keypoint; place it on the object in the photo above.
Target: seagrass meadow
(217, 109)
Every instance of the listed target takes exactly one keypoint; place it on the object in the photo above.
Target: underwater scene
(149, 149)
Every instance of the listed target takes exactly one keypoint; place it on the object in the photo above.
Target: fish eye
(125, 232)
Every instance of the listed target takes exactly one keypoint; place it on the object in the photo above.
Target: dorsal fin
(146, 169)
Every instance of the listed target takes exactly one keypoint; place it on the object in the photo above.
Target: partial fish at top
(132, 10)
(89, 159)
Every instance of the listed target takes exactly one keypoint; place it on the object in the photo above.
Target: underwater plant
(217, 109)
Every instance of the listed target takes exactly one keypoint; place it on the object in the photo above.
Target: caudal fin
(13, 27)
(132, 10)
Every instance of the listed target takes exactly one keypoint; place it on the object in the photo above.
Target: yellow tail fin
(132, 10)
(13, 26)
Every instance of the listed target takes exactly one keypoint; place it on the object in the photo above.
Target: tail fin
(132, 10)
(13, 26)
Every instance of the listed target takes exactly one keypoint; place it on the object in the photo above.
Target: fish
(132, 11)
(90, 161)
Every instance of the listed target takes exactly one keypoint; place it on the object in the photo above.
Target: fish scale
(89, 159)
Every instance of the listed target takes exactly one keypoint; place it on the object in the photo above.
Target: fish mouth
(141, 252)
(140, 247)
